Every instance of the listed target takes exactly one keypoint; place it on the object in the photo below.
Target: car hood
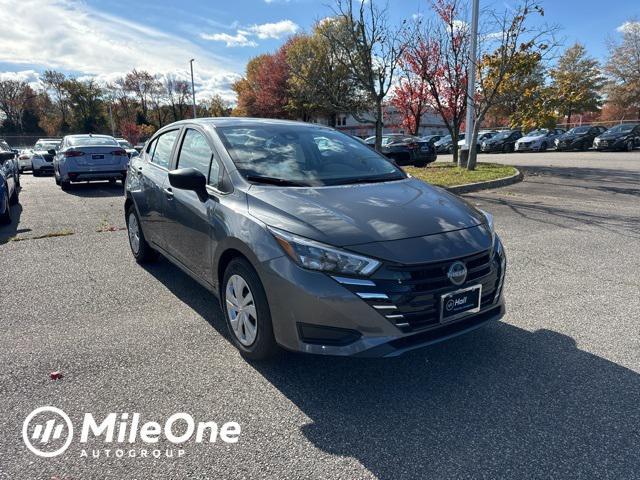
(360, 214)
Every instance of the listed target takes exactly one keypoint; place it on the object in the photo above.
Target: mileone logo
(48, 432)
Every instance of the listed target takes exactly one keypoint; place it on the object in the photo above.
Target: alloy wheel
(241, 310)
(134, 233)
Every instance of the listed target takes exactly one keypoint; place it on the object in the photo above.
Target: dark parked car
(406, 149)
(578, 138)
(501, 142)
(9, 181)
(621, 137)
(312, 241)
(445, 144)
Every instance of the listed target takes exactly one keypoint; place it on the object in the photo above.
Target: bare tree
(508, 36)
(14, 96)
(141, 84)
(54, 83)
(623, 69)
(178, 92)
(369, 46)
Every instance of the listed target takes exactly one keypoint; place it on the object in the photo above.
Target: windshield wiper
(353, 181)
(275, 181)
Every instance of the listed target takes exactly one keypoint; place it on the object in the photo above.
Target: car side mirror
(51, 152)
(189, 179)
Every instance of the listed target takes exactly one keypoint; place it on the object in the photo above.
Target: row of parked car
(620, 137)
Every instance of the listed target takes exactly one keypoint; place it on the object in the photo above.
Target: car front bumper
(616, 144)
(314, 313)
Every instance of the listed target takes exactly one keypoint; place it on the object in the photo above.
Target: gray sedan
(312, 241)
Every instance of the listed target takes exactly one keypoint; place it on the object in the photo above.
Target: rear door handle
(169, 193)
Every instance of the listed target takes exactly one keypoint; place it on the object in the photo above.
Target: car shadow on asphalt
(96, 189)
(501, 402)
(7, 232)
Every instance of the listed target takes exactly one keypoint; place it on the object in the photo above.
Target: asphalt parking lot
(550, 392)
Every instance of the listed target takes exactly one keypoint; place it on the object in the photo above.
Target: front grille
(413, 291)
(48, 157)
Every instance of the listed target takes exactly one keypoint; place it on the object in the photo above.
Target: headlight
(489, 219)
(324, 258)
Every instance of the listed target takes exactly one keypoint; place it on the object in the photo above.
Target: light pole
(471, 82)
(193, 88)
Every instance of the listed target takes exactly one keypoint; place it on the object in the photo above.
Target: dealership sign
(48, 432)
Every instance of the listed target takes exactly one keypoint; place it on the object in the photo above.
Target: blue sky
(106, 38)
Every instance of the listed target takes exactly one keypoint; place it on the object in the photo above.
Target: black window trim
(214, 151)
(173, 149)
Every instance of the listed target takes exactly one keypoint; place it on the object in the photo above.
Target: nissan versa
(312, 241)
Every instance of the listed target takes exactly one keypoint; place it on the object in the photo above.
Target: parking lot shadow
(96, 189)
(7, 232)
(500, 403)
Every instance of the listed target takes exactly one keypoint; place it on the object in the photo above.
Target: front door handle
(169, 193)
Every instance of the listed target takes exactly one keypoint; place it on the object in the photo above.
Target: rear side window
(196, 153)
(163, 148)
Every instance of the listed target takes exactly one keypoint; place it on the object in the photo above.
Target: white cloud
(275, 30)
(68, 35)
(240, 39)
(276, 1)
(628, 27)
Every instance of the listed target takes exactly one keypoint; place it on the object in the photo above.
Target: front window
(45, 146)
(303, 156)
(502, 135)
(621, 129)
(578, 130)
(538, 133)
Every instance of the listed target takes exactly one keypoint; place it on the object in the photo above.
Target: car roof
(88, 135)
(244, 122)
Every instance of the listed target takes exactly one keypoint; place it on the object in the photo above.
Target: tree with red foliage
(437, 53)
(411, 99)
(263, 90)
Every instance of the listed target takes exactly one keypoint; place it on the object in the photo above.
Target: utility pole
(193, 88)
(471, 83)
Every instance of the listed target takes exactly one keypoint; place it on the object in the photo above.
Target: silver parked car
(124, 143)
(311, 240)
(83, 158)
(538, 140)
(40, 157)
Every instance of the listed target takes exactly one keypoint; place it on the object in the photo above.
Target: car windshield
(621, 128)
(92, 141)
(538, 133)
(42, 146)
(303, 156)
(502, 135)
(124, 144)
(579, 130)
(386, 140)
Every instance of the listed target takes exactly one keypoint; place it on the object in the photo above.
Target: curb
(476, 187)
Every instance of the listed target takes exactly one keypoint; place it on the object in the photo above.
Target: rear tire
(5, 218)
(141, 250)
(629, 146)
(253, 332)
(543, 147)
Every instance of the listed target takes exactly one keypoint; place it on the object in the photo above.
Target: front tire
(141, 250)
(629, 146)
(14, 198)
(65, 185)
(246, 311)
